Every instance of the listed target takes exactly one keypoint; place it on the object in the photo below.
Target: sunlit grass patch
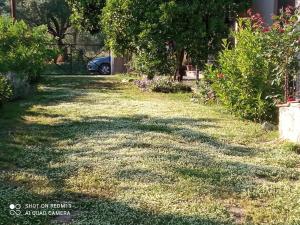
(122, 156)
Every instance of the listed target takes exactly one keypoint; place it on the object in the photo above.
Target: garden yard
(124, 157)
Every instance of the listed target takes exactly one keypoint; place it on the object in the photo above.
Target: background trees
(55, 14)
(86, 14)
(158, 33)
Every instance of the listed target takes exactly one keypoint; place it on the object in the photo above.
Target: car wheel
(105, 69)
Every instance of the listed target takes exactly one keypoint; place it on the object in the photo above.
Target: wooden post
(13, 8)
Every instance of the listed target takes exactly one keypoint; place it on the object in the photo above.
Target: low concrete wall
(289, 122)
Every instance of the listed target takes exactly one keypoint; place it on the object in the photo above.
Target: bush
(20, 86)
(24, 50)
(204, 92)
(242, 82)
(153, 64)
(5, 90)
(251, 76)
(163, 85)
(143, 83)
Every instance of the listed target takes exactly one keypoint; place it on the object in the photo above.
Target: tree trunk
(180, 70)
(63, 48)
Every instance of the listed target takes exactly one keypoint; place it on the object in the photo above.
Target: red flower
(291, 99)
(221, 76)
(266, 30)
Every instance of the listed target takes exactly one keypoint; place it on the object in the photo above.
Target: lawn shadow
(36, 148)
(107, 211)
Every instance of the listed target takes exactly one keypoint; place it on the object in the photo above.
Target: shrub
(252, 75)
(143, 83)
(20, 86)
(23, 49)
(152, 64)
(281, 42)
(242, 82)
(5, 90)
(163, 85)
(204, 92)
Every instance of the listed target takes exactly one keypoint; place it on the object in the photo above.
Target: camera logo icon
(15, 209)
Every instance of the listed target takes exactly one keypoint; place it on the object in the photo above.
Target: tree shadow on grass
(175, 126)
(55, 91)
(36, 149)
(220, 175)
(91, 210)
(106, 211)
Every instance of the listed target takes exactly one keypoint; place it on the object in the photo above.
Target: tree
(53, 13)
(86, 14)
(4, 7)
(160, 32)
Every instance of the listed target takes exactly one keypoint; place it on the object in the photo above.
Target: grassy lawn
(122, 157)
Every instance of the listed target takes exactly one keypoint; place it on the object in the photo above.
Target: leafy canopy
(86, 14)
(145, 29)
(55, 14)
(23, 49)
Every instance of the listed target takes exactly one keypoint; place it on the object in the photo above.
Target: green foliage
(23, 49)
(282, 47)
(252, 75)
(5, 90)
(144, 28)
(243, 82)
(55, 14)
(86, 14)
(203, 92)
(167, 86)
(163, 85)
(148, 62)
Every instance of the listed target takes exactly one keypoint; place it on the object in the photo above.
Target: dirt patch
(237, 213)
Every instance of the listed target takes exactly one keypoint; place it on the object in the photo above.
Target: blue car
(100, 65)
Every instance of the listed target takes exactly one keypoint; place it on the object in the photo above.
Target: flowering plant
(252, 74)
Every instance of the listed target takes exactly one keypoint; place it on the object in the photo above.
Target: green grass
(123, 157)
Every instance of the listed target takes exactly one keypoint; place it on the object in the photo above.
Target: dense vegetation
(125, 157)
(55, 14)
(5, 90)
(23, 55)
(86, 14)
(252, 75)
(23, 48)
(159, 33)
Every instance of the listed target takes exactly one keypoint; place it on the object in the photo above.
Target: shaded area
(47, 155)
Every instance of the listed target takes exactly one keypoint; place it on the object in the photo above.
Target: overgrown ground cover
(122, 157)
